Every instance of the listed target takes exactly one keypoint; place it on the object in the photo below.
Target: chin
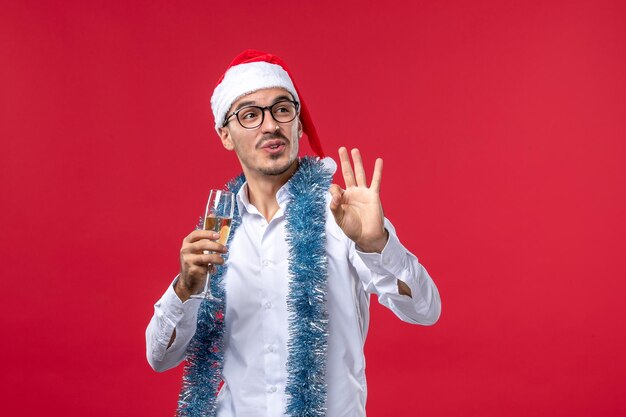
(278, 169)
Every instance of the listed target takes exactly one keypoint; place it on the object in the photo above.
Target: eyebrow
(253, 103)
(243, 104)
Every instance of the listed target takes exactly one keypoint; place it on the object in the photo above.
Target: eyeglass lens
(253, 116)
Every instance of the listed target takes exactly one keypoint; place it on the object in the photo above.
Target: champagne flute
(217, 217)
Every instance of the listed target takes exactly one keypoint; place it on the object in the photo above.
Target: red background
(502, 128)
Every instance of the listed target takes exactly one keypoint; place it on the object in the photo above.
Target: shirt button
(273, 389)
(268, 305)
(266, 262)
(270, 348)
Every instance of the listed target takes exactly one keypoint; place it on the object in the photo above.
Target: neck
(262, 190)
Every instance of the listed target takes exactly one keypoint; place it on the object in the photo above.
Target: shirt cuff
(388, 267)
(391, 260)
(171, 313)
(177, 311)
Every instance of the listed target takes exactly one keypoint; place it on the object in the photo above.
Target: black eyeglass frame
(236, 113)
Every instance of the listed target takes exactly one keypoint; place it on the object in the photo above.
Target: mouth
(274, 146)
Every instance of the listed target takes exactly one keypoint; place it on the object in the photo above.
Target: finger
(335, 203)
(338, 213)
(199, 271)
(195, 271)
(335, 192)
(204, 245)
(201, 234)
(378, 174)
(346, 168)
(206, 259)
(359, 171)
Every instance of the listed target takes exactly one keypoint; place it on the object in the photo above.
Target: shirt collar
(243, 202)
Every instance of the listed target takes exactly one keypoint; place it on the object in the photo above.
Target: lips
(273, 146)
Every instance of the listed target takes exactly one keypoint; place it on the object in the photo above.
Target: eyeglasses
(251, 117)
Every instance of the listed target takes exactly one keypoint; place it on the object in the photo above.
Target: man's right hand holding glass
(199, 252)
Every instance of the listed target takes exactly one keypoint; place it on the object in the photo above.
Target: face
(270, 149)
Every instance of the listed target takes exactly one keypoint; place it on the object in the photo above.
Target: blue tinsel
(306, 304)
(203, 371)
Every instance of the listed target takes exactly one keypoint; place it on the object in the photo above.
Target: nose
(269, 124)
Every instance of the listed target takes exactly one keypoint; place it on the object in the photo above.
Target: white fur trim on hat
(245, 79)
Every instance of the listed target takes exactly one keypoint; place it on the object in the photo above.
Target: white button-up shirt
(257, 283)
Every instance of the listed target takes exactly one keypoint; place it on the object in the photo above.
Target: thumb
(335, 203)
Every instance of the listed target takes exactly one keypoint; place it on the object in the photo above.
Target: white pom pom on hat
(254, 70)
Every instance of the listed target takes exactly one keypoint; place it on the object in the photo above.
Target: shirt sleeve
(170, 313)
(379, 273)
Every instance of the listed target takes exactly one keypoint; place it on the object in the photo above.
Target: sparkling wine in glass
(217, 217)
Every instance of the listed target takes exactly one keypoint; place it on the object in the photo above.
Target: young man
(287, 333)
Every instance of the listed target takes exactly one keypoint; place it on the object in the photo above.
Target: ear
(300, 132)
(227, 140)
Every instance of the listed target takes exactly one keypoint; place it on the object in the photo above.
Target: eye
(249, 113)
(285, 107)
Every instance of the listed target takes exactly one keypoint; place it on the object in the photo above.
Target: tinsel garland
(306, 303)
(202, 375)
(306, 300)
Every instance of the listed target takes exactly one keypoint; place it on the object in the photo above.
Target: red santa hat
(255, 70)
